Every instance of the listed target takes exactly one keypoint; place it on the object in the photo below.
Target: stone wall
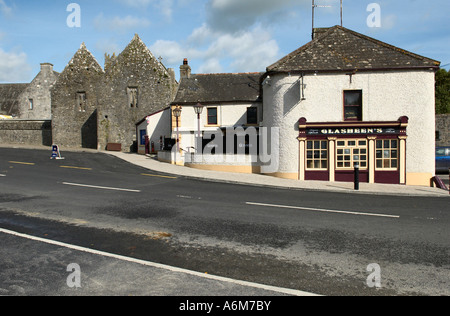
(135, 69)
(38, 93)
(132, 85)
(26, 132)
(443, 130)
(74, 120)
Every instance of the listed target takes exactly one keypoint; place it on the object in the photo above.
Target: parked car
(442, 159)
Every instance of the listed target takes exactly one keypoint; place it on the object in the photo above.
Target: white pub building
(342, 99)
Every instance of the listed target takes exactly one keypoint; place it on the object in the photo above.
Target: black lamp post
(198, 110)
(177, 114)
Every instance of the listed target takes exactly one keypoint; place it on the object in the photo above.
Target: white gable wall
(386, 97)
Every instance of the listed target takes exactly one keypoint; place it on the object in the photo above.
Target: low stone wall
(26, 132)
(443, 130)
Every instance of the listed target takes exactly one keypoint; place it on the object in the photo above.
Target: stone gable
(133, 84)
(74, 125)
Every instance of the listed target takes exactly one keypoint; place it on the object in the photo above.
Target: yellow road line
(22, 163)
(70, 167)
(157, 176)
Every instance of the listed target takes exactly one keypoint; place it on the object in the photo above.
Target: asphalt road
(318, 242)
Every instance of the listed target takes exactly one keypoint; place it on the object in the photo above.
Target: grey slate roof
(339, 48)
(9, 97)
(216, 88)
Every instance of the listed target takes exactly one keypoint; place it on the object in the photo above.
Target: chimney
(46, 68)
(319, 31)
(185, 70)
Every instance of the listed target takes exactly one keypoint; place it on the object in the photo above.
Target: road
(318, 242)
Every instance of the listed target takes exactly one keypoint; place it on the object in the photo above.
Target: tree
(442, 91)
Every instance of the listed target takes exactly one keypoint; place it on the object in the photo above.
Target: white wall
(386, 97)
(159, 125)
(229, 115)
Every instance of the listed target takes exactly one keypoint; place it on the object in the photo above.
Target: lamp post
(177, 114)
(198, 110)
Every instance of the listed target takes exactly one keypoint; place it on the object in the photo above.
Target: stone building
(34, 103)
(9, 98)
(443, 130)
(75, 101)
(93, 107)
(135, 83)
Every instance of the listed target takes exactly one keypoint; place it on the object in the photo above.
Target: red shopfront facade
(329, 150)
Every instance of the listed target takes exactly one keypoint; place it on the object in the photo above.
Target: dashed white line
(2, 175)
(321, 210)
(100, 187)
(160, 266)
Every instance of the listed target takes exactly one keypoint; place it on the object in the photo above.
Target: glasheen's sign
(352, 131)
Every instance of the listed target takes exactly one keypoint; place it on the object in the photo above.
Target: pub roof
(341, 49)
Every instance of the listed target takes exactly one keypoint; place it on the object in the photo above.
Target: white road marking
(100, 187)
(2, 175)
(160, 266)
(322, 210)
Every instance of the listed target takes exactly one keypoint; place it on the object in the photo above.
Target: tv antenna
(314, 6)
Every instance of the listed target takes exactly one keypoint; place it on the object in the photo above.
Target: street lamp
(198, 110)
(177, 113)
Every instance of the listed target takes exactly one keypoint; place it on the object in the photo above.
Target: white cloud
(5, 9)
(164, 6)
(14, 67)
(245, 51)
(119, 24)
(234, 15)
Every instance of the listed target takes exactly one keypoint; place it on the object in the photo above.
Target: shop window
(82, 101)
(387, 154)
(349, 152)
(317, 155)
(353, 105)
(212, 116)
(132, 97)
(252, 116)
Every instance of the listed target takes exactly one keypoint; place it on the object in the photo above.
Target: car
(442, 159)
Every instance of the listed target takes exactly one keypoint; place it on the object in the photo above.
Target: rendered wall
(386, 97)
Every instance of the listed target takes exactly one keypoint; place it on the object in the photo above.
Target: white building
(353, 99)
(340, 100)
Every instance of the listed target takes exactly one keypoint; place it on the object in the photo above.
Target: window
(387, 154)
(350, 152)
(317, 154)
(353, 105)
(132, 97)
(252, 116)
(82, 101)
(31, 104)
(212, 116)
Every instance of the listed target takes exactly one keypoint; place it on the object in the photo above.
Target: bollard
(356, 176)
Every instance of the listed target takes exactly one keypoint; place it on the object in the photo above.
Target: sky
(217, 36)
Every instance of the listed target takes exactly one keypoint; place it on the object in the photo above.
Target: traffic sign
(56, 154)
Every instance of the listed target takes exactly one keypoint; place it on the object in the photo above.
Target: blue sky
(215, 35)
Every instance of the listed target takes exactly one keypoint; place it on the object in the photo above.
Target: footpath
(150, 162)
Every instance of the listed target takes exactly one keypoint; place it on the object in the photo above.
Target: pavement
(150, 162)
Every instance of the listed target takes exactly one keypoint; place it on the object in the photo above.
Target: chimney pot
(185, 69)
